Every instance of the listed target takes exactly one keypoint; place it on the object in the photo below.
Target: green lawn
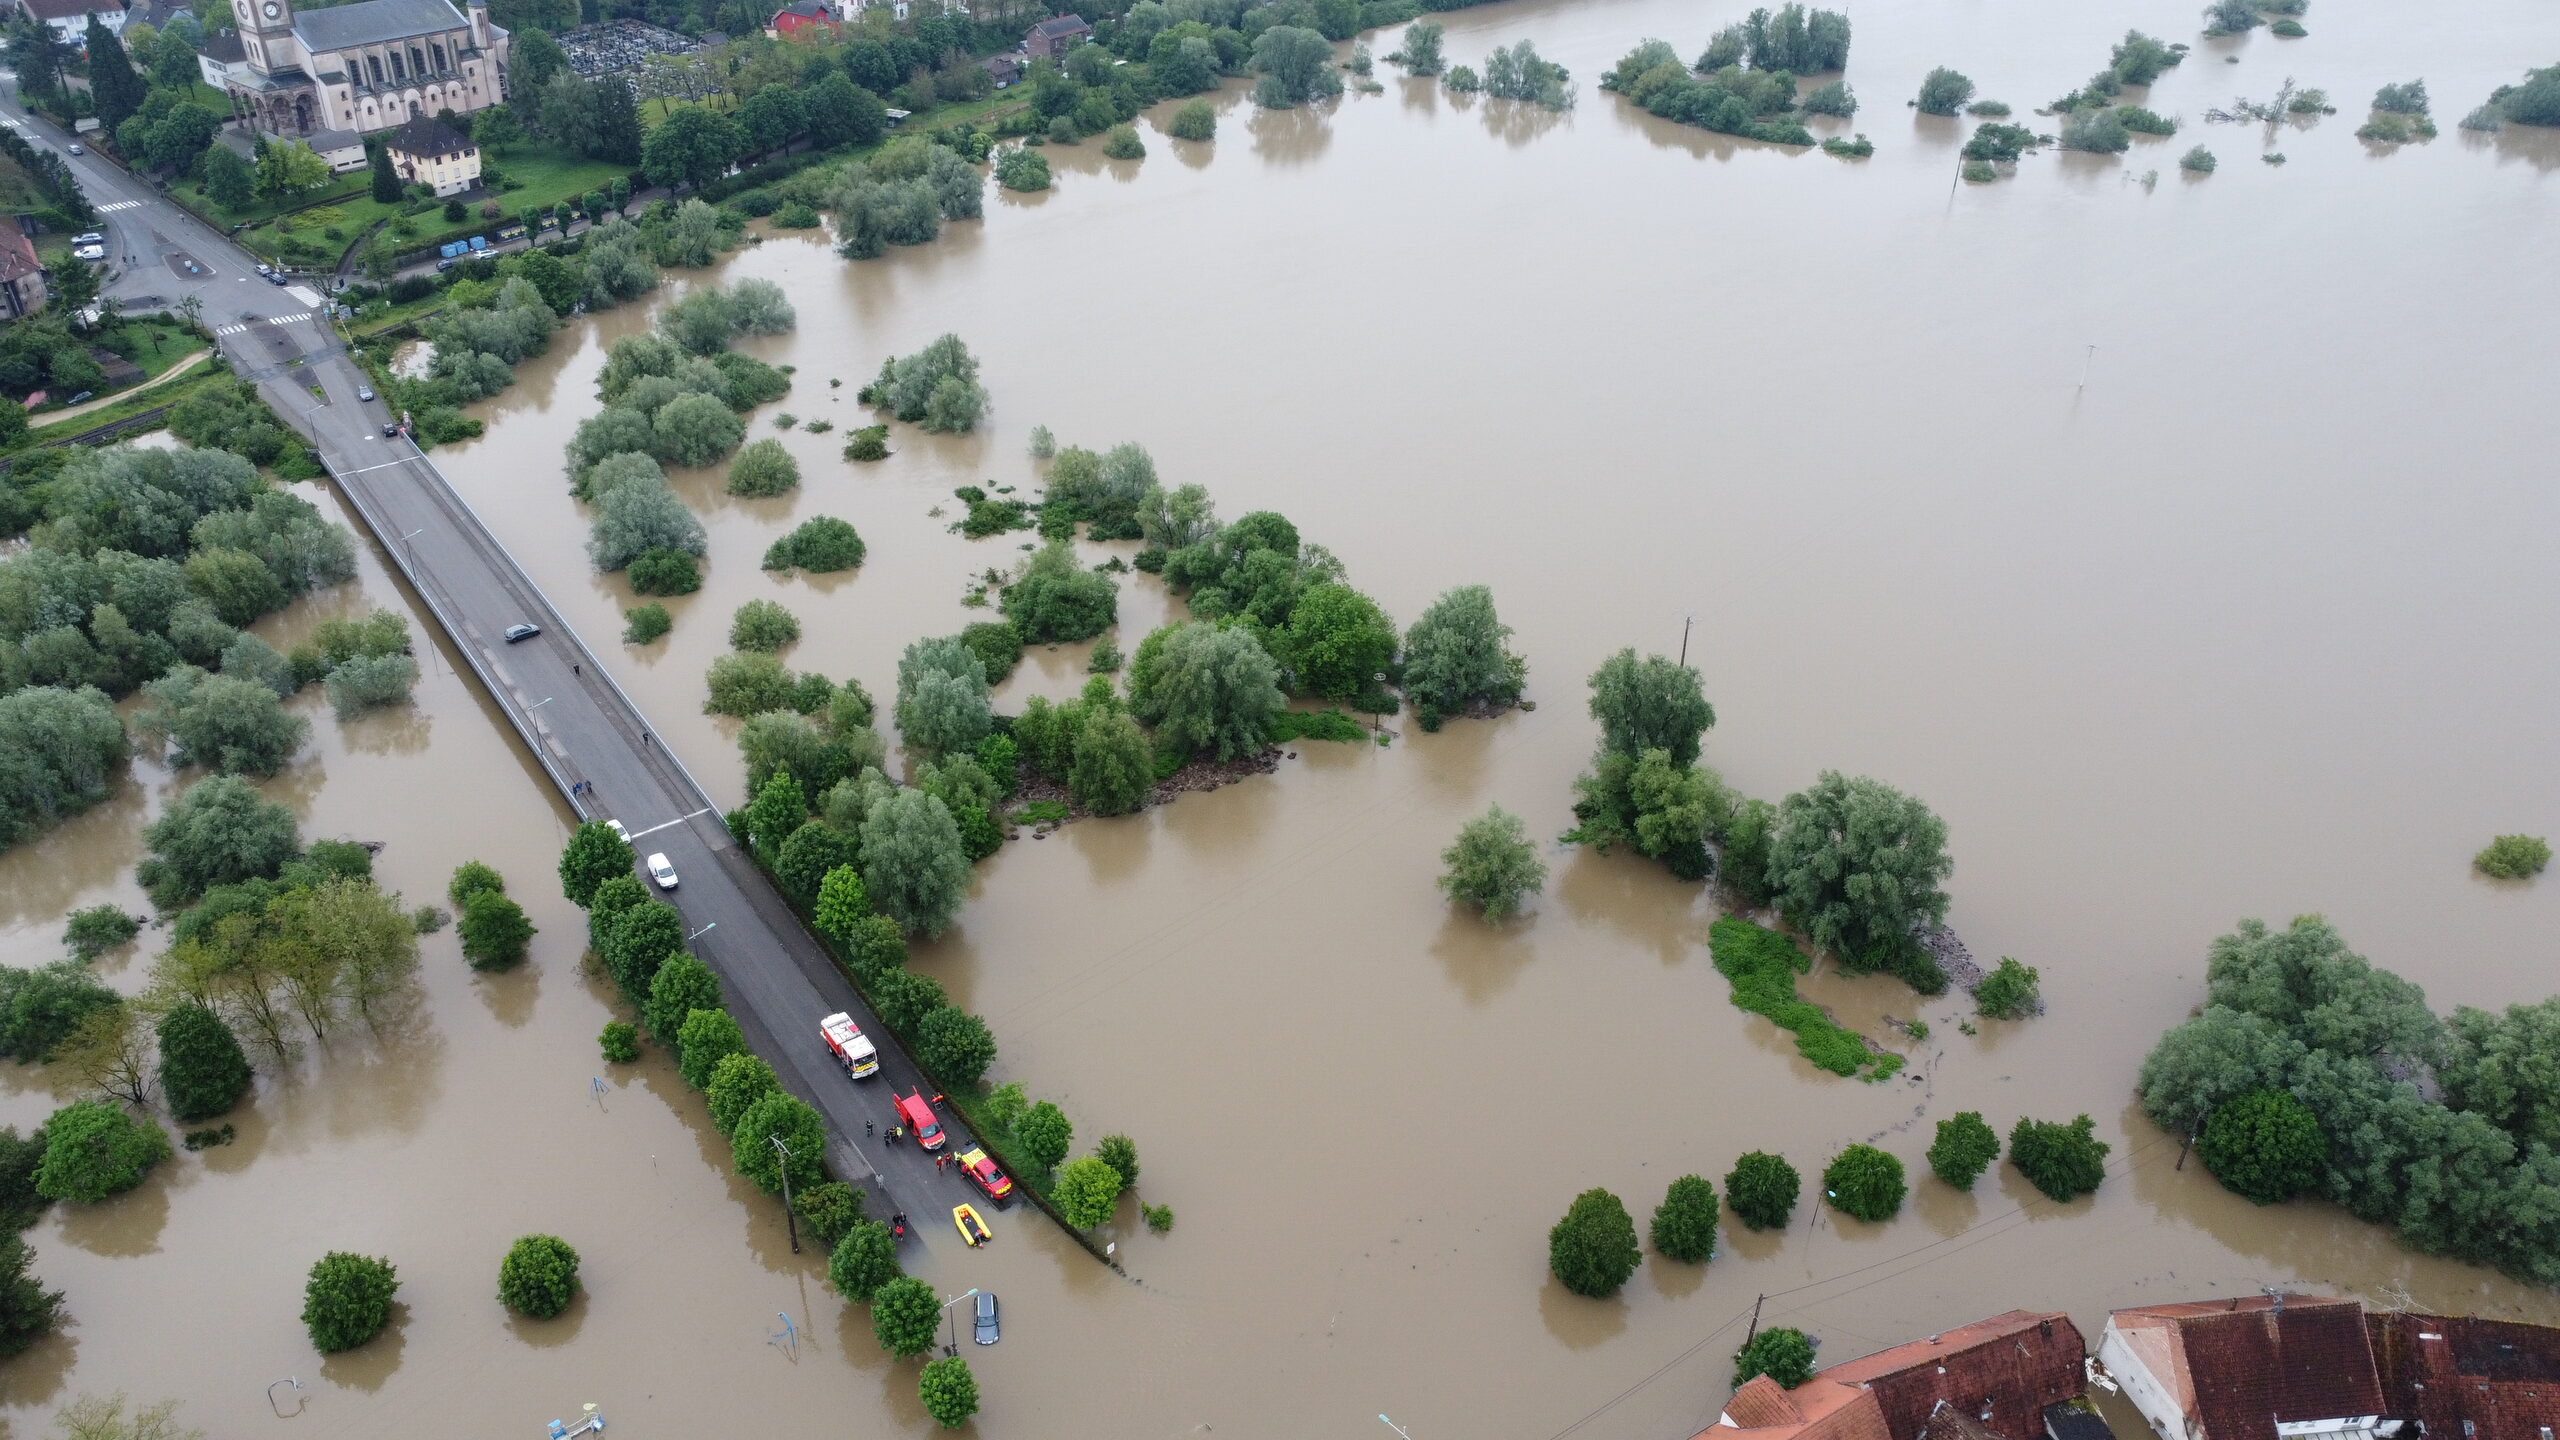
(154, 345)
(146, 398)
(538, 174)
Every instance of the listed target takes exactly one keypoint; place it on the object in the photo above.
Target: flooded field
(2254, 623)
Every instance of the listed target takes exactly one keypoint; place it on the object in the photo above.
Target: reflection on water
(2222, 633)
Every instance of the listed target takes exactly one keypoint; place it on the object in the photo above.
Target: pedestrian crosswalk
(255, 321)
(119, 205)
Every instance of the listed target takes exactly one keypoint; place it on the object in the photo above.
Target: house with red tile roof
(2255, 1367)
(1990, 1380)
(2460, 1378)
(22, 291)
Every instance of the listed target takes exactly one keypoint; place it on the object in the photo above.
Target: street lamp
(1390, 1424)
(788, 1218)
(953, 1348)
(705, 930)
(412, 549)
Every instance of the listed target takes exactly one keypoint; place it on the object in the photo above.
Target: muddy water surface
(2252, 623)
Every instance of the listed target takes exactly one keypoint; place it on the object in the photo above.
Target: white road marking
(120, 205)
(654, 829)
(270, 320)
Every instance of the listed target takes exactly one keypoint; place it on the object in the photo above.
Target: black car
(521, 631)
(986, 1330)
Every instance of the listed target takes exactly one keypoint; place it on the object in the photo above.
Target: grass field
(542, 175)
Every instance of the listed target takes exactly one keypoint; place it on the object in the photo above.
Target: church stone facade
(370, 66)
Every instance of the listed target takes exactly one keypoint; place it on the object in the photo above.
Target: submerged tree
(1491, 865)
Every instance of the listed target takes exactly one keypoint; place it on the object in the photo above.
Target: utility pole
(1755, 1321)
(789, 1217)
(1687, 618)
(2085, 362)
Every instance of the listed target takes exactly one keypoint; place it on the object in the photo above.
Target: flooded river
(2249, 625)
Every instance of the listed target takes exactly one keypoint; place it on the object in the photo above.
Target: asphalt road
(553, 689)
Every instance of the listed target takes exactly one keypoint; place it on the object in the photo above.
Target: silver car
(986, 1326)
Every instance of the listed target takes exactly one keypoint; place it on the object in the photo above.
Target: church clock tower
(266, 32)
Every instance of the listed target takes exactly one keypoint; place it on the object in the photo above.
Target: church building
(370, 66)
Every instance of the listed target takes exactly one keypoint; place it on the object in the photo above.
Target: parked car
(915, 1113)
(521, 631)
(262, 266)
(663, 871)
(444, 265)
(618, 832)
(390, 428)
(986, 1328)
(983, 1173)
(364, 392)
(852, 1049)
(90, 237)
(973, 1230)
(83, 395)
(275, 277)
(76, 149)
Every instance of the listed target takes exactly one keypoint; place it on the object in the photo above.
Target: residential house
(429, 152)
(220, 57)
(343, 149)
(2251, 1368)
(1055, 36)
(22, 291)
(804, 20)
(70, 18)
(1990, 1380)
(369, 66)
(2458, 1378)
(1002, 69)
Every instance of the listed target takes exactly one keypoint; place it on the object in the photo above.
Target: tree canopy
(1858, 866)
(1592, 1250)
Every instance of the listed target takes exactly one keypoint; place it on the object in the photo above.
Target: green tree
(863, 1261)
(229, 180)
(386, 181)
(620, 1041)
(1114, 768)
(840, 112)
(692, 146)
(1965, 1147)
(949, 1391)
(1763, 1188)
(813, 852)
(875, 948)
(594, 855)
(955, 1045)
(942, 695)
(803, 1132)
(2009, 992)
(702, 1041)
(762, 625)
(842, 903)
(1858, 866)
(2216, 1057)
(1338, 642)
(903, 998)
(494, 931)
(219, 832)
(1491, 865)
(1058, 599)
(1087, 1192)
(1021, 169)
(1650, 704)
(2063, 1161)
(682, 985)
(471, 878)
(117, 91)
(2264, 1145)
(1454, 657)
(221, 722)
(1208, 689)
(1592, 1250)
(2513, 857)
(904, 1315)
(202, 1069)
(1865, 1182)
(914, 863)
(829, 1209)
(27, 1309)
(1121, 1154)
(738, 1081)
(763, 469)
(93, 1149)
(1296, 65)
(538, 1277)
(1781, 1353)
(64, 748)
(348, 1299)
(1193, 120)
(1684, 1224)
(780, 808)
(1944, 91)
(1043, 1135)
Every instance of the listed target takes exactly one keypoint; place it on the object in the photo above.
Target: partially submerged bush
(2514, 857)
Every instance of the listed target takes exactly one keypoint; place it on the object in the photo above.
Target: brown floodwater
(2246, 625)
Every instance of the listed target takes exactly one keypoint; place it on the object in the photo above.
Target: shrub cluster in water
(1755, 104)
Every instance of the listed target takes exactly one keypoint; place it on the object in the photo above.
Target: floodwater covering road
(2254, 624)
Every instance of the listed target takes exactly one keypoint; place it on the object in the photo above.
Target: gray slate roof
(1060, 26)
(223, 48)
(373, 22)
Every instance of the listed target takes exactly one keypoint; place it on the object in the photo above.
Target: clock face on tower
(273, 9)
